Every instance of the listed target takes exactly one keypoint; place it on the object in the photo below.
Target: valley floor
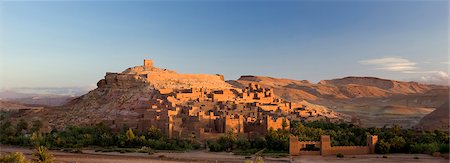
(90, 156)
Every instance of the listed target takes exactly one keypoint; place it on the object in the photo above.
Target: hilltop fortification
(197, 106)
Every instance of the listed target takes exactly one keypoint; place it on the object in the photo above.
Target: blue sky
(73, 44)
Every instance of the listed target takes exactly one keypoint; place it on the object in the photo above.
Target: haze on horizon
(73, 44)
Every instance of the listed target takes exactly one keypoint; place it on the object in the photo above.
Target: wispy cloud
(391, 64)
(432, 77)
(402, 65)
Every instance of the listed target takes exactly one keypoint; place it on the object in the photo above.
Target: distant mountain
(12, 106)
(377, 102)
(42, 96)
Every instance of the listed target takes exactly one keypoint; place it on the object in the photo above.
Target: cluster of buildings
(205, 113)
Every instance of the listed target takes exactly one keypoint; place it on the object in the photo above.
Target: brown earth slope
(377, 102)
(438, 119)
(14, 106)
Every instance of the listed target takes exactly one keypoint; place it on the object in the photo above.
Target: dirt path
(391, 158)
(90, 156)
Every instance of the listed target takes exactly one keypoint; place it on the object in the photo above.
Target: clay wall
(269, 107)
(234, 123)
(165, 91)
(223, 95)
(192, 94)
(326, 149)
(294, 146)
(210, 136)
(255, 127)
(276, 123)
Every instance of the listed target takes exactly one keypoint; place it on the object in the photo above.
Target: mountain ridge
(358, 96)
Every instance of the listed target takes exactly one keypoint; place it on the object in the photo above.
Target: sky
(74, 43)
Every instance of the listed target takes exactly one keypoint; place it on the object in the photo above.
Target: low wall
(295, 147)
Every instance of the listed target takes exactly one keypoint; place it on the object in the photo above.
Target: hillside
(14, 106)
(375, 101)
(120, 95)
(436, 120)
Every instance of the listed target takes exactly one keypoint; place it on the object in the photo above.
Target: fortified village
(197, 106)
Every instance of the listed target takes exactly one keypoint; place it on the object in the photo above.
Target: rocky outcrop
(158, 78)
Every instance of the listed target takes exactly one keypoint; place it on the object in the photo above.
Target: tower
(325, 145)
(371, 142)
(148, 63)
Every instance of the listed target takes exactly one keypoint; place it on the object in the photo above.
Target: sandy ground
(90, 156)
(392, 158)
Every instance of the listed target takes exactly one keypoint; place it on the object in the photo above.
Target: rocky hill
(377, 102)
(436, 120)
(128, 97)
(120, 94)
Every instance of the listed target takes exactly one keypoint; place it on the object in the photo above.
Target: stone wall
(295, 147)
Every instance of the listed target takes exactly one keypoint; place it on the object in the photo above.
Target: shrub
(258, 143)
(340, 155)
(15, 157)
(242, 143)
(42, 155)
(443, 148)
(146, 150)
(424, 148)
(382, 147)
(397, 144)
(226, 142)
(154, 133)
(215, 147)
(22, 125)
(36, 126)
